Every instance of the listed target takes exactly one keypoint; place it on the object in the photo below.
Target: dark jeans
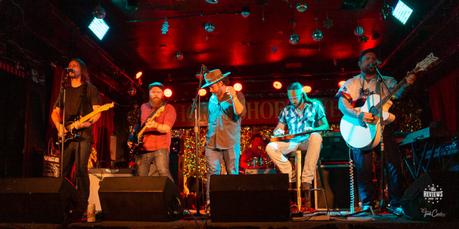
(363, 166)
(78, 153)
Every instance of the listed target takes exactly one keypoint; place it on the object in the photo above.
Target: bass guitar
(137, 142)
(365, 136)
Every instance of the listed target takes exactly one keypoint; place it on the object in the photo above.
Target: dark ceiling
(256, 49)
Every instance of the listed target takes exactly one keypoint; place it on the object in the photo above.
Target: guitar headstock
(106, 106)
(426, 63)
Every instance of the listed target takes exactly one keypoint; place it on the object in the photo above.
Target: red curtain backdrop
(443, 99)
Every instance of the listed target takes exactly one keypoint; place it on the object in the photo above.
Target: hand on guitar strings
(151, 124)
(278, 132)
(79, 125)
(368, 117)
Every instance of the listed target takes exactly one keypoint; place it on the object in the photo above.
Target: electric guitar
(361, 135)
(286, 137)
(73, 133)
(137, 142)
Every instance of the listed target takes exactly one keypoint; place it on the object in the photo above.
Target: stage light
(277, 85)
(138, 75)
(402, 12)
(167, 92)
(99, 27)
(237, 86)
(294, 39)
(99, 12)
(245, 12)
(301, 7)
(307, 89)
(165, 27)
(202, 92)
(209, 27)
(341, 83)
(317, 35)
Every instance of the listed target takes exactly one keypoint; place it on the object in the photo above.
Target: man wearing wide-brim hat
(226, 107)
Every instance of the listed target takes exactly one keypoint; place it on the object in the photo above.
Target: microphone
(68, 70)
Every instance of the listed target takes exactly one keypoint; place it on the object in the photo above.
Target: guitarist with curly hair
(81, 98)
(152, 138)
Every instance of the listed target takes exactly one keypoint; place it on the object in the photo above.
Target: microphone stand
(196, 109)
(380, 82)
(64, 88)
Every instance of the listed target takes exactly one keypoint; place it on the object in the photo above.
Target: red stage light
(237, 86)
(168, 92)
(277, 85)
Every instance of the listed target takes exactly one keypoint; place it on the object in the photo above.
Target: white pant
(278, 150)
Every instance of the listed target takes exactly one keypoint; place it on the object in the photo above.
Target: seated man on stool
(301, 115)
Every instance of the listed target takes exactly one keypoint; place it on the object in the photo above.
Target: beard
(369, 70)
(156, 102)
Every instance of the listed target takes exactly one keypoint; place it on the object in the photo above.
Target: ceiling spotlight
(294, 39)
(317, 35)
(301, 7)
(99, 12)
(245, 12)
(212, 1)
(209, 27)
(179, 55)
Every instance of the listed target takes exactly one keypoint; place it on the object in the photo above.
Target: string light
(168, 92)
(237, 86)
(277, 85)
(202, 92)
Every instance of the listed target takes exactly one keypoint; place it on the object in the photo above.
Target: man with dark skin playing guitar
(353, 94)
(156, 119)
(302, 115)
(81, 97)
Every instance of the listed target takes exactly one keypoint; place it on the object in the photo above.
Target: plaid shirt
(298, 121)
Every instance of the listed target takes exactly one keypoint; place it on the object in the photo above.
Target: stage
(323, 221)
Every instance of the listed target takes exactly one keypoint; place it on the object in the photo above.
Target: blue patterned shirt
(298, 121)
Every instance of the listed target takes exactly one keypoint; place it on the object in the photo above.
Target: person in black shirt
(81, 98)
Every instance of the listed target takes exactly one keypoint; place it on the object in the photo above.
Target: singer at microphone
(68, 70)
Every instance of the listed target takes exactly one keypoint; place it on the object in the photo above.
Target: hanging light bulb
(294, 39)
(245, 12)
(317, 35)
(209, 27)
(301, 6)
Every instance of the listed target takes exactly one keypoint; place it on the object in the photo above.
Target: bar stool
(316, 188)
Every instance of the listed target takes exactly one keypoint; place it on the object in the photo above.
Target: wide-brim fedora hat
(213, 76)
